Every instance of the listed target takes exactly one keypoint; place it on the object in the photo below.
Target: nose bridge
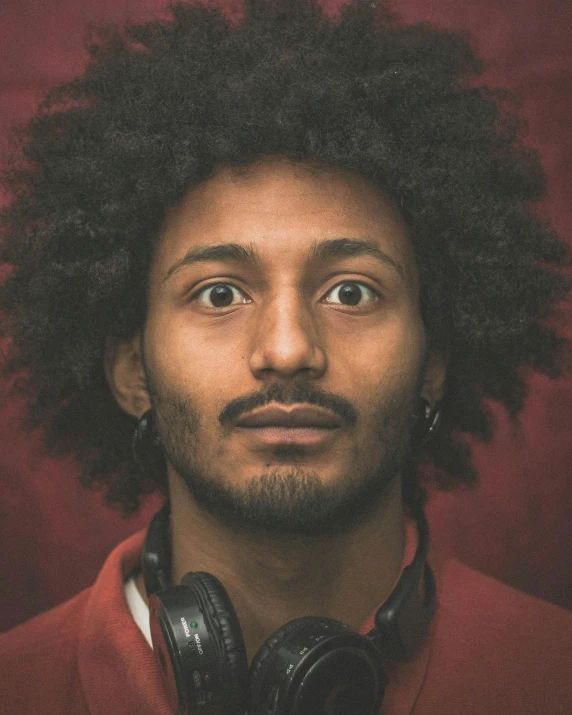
(287, 337)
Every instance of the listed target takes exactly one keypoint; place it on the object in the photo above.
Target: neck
(271, 581)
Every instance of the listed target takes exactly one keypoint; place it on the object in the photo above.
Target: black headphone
(310, 666)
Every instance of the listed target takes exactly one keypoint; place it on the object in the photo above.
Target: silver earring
(428, 422)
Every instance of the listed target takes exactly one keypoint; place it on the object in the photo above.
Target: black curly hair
(163, 105)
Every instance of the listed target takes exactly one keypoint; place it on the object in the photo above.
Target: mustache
(288, 395)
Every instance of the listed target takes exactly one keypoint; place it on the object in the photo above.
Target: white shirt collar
(138, 607)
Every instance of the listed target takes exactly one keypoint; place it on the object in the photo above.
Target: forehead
(282, 209)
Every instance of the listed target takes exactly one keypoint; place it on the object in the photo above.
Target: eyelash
(210, 286)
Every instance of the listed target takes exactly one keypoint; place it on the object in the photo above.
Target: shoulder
(471, 597)
(38, 660)
(496, 649)
(56, 662)
(47, 663)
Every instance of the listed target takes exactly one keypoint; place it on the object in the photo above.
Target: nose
(287, 340)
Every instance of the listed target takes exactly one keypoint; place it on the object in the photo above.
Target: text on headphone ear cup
(263, 659)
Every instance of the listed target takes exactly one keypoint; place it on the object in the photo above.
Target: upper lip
(301, 416)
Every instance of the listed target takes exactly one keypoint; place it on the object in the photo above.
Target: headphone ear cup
(316, 665)
(263, 659)
(235, 652)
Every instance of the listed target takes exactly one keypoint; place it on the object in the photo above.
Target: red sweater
(490, 650)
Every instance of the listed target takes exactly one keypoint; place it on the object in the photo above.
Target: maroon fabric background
(516, 525)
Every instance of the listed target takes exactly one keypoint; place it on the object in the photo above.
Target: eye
(220, 295)
(351, 294)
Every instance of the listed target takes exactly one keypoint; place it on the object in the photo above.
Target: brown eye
(351, 294)
(221, 295)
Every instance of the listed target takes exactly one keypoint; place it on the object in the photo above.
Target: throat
(271, 581)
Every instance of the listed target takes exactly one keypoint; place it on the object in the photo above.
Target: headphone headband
(156, 556)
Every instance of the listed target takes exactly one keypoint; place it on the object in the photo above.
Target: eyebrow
(325, 250)
(351, 248)
(220, 252)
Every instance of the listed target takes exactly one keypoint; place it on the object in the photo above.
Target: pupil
(350, 294)
(221, 296)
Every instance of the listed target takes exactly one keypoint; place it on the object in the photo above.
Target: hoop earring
(146, 442)
(428, 422)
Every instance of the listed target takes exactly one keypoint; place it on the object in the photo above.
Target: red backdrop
(516, 525)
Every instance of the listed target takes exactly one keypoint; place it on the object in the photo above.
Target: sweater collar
(117, 665)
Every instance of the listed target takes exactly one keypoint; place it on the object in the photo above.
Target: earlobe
(126, 376)
(435, 376)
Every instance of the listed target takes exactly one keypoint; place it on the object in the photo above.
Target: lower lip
(290, 435)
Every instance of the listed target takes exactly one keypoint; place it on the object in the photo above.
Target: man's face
(285, 366)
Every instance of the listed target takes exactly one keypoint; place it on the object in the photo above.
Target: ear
(126, 375)
(435, 376)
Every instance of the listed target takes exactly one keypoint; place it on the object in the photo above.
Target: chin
(289, 501)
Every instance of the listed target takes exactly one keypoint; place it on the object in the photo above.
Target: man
(292, 256)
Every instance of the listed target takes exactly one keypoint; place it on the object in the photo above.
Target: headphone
(309, 666)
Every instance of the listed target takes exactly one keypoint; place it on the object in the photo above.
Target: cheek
(197, 363)
(384, 358)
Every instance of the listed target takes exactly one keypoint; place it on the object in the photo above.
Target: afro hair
(163, 105)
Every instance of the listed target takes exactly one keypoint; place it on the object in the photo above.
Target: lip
(293, 417)
(297, 425)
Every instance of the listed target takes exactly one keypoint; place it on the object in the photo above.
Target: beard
(289, 501)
